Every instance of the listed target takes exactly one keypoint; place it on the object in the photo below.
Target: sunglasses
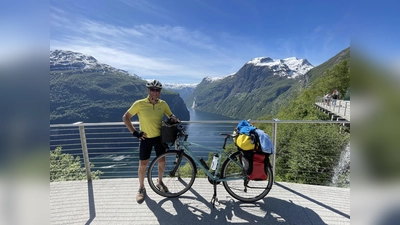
(155, 89)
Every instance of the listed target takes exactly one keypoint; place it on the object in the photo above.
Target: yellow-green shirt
(150, 116)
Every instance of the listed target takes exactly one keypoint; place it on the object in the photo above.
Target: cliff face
(177, 105)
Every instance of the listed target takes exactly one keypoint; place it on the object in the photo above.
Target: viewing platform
(338, 111)
(112, 201)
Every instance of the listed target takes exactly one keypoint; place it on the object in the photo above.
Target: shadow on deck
(112, 201)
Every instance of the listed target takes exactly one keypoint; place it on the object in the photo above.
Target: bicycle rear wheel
(240, 187)
(177, 178)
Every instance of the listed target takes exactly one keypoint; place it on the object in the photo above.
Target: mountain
(319, 70)
(82, 89)
(250, 92)
(290, 67)
(184, 90)
(61, 60)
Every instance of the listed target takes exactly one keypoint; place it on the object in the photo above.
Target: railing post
(274, 134)
(345, 108)
(84, 150)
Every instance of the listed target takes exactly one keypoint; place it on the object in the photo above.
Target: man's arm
(127, 121)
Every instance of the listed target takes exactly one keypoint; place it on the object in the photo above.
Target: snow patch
(296, 66)
(215, 79)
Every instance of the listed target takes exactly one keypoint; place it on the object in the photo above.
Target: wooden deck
(112, 201)
(340, 110)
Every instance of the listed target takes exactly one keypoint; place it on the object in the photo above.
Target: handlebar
(182, 132)
(227, 136)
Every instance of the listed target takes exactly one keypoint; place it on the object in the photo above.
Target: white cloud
(146, 50)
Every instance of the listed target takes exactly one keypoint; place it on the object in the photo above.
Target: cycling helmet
(153, 84)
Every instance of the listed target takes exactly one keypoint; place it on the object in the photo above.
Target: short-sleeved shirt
(150, 116)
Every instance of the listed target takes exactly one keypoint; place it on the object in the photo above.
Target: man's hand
(140, 135)
(174, 119)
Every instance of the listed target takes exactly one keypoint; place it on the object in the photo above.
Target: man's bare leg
(161, 167)
(142, 171)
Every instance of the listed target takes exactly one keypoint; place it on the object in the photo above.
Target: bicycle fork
(178, 159)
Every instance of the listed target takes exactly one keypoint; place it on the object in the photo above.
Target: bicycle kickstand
(214, 198)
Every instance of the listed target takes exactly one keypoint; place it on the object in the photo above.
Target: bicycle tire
(177, 183)
(254, 190)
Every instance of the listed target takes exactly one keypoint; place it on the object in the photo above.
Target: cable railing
(341, 108)
(111, 148)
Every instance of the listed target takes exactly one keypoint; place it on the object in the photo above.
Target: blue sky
(185, 41)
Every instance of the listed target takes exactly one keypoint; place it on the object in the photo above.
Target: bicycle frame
(181, 144)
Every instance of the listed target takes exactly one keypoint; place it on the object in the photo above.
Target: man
(327, 99)
(150, 111)
(335, 96)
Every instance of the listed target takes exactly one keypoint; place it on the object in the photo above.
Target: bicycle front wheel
(178, 174)
(238, 184)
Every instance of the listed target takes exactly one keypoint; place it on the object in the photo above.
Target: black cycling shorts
(146, 146)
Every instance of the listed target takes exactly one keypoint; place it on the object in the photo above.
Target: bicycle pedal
(213, 200)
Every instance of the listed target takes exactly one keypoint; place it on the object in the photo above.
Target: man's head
(154, 88)
(154, 84)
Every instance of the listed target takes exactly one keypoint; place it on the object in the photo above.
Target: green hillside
(309, 78)
(319, 71)
(248, 94)
(308, 153)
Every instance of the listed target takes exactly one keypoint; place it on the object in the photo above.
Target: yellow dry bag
(244, 142)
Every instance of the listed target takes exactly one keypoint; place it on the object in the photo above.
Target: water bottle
(214, 162)
(204, 163)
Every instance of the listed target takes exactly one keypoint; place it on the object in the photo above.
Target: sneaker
(161, 186)
(140, 195)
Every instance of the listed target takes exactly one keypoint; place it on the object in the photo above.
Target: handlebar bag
(168, 132)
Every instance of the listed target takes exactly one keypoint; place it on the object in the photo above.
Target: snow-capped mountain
(183, 89)
(289, 67)
(215, 79)
(179, 86)
(68, 60)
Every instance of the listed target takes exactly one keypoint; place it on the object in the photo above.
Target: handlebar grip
(229, 135)
(226, 138)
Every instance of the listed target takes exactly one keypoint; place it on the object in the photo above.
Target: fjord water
(208, 134)
(206, 138)
(196, 115)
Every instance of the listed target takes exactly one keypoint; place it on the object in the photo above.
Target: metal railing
(113, 150)
(339, 107)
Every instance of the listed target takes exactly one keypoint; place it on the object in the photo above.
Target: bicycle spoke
(243, 189)
(177, 178)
